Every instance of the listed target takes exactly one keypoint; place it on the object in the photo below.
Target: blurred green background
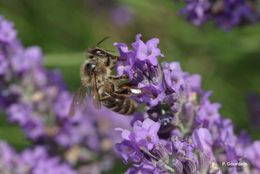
(229, 62)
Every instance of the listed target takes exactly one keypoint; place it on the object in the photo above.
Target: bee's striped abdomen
(124, 106)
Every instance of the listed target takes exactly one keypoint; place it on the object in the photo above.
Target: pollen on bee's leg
(136, 91)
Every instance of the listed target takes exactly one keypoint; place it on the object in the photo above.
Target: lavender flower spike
(31, 161)
(180, 131)
(225, 13)
(37, 100)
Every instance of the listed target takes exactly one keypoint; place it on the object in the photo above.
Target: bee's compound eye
(90, 67)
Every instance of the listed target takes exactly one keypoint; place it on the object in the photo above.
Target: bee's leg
(125, 86)
(123, 90)
(112, 61)
(108, 87)
(105, 98)
(119, 95)
(112, 92)
(122, 77)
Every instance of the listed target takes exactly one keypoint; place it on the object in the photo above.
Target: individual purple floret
(226, 13)
(144, 134)
(207, 113)
(183, 131)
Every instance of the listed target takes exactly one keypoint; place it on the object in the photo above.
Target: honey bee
(106, 89)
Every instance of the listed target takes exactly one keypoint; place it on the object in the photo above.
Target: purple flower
(9, 95)
(34, 55)
(19, 63)
(19, 113)
(194, 83)
(36, 161)
(122, 15)
(141, 65)
(226, 13)
(233, 13)
(126, 62)
(143, 54)
(77, 130)
(253, 105)
(41, 163)
(173, 75)
(147, 51)
(146, 167)
(129, 151)
(7, 156)
(183, 151)
(144, 133)
(31, 124)
(3, 65)
(226, 135)
(252, 153)
(134, 148)
(34, 128)
(197, 11)
(208, 112)
(7, 32)
(10, 161)
(202, 139)
(40, 78)
(37, 100)
(181, 130)
(62, 105)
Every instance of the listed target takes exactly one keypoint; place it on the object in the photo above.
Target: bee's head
(96, 52)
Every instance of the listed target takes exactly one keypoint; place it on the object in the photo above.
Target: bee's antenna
(111, 51)
(105, 38)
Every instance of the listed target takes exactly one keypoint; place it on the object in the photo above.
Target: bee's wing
(96, 97)
(79, 99)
